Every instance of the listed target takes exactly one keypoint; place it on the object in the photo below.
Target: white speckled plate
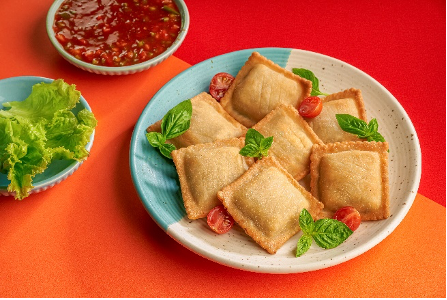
(157, 184)
(18, 89)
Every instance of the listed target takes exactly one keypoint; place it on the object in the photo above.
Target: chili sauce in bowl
(115, 37)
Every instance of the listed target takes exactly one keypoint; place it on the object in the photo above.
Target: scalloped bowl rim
(118, 70)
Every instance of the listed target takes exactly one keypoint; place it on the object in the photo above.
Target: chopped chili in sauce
(116, 32)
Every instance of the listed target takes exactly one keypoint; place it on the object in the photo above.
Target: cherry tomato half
(348, 215)
(310, 107)
(219, 220)
(219, 84)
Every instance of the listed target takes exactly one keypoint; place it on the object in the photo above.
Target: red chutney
(116, 33)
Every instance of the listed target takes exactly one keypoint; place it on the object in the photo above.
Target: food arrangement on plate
(326, 138)
(264, 149)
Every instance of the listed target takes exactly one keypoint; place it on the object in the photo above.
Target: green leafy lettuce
(40, 129)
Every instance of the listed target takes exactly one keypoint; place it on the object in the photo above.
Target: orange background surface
(90, 236)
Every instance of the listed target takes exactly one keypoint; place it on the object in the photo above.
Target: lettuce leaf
(40, 129)
(44, 101)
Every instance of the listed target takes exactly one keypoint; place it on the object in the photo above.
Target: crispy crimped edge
(192, 210)
(188, 137)
(354, 93)
(256, 58)
(293, 113)
(318, 151)
(208, 98)
(226, 196)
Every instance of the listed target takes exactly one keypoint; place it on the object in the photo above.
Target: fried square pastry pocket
(209, 123)
(259, 87)
(325, 125)
(292, 139)
(351, 174)
(266, 202)
(204, 169)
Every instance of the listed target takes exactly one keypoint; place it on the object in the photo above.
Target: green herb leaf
(306, 222)
(177, 120)
(166, 150)
(265, 145)
(373, 125)
(359, 127)
(303, 245)
(309, 75)
(376, 137)
(351, 124)
(253, 137)
(327, 233)
(170, 10)
(256, 145)
(156, 139)
(249, 150)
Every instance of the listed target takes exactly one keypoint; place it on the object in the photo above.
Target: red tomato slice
(310, 107)
(219, 84)
(219, 220)
(350, 216)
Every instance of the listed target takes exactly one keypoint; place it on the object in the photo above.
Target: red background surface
(402, 44)
(90, 236)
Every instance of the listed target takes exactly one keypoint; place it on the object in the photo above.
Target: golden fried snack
(204, 169)
(325, 125)
(259, 87)
(292, 139)
(266, 202)
(351, 174)
(209, 123)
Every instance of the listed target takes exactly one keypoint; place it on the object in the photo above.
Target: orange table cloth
(90, 235)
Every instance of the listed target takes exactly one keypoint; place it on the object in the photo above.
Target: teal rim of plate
(154, 176)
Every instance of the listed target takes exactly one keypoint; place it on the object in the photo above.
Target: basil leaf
(166, 150)
(265, 145)
(359, 127)
(351, 124)
(373, 126)
(177, 120)
(303, 244)
(329, 233)
(309, 75)
(253, 137)
(377, 137)
(255, 144)
(250, 150)
(306, 222)
(263, 153)
(156, 139)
